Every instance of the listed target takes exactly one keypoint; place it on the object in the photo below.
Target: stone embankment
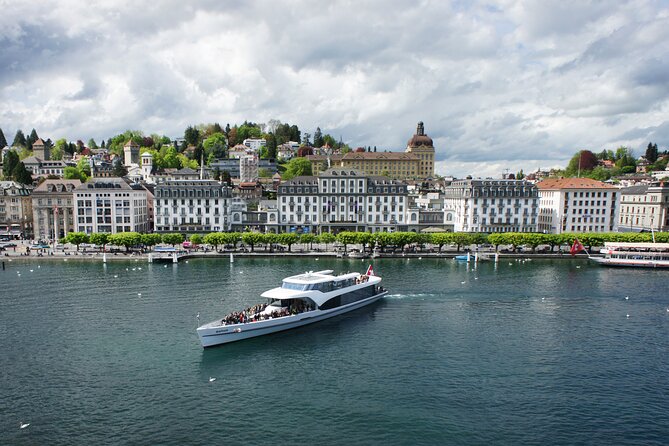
(24, 252)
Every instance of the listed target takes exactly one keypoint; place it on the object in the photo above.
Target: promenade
(69, 252)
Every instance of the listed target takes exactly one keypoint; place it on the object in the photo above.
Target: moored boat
(641, 255)
(300, 300)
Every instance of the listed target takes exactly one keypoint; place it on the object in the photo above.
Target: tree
(248, 130)
(126, 239)
(309, 238)
(326, 238)
(119, 169)
(10, 161)
(297, 167)
(57, 152)
(232, 137)
(625, 160)
(151, 239)
(346, 238)
(226, 178)
(77, 238)
(99, 238)
(71, 173)
(318, 138)
(19, 139)
(196, 239)
(192, 136)
(600, 173)
(31, 139)
(173, 238)
(171, 160)
(251, 239)
(520, 175)
(306, 140)
(271, 145)
(214, 239)
(583, 161)
(21, 174)
(3, 140)
(216, 144)
(84, 166)
(287, 238)
(92, 144)
(651, 152)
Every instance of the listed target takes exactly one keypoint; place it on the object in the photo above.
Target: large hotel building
(417, 161)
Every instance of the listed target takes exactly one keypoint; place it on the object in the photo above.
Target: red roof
(572, 183)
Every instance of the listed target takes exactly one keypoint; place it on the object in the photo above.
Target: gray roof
(641, 189)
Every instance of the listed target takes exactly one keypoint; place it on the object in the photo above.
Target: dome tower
(421, 145)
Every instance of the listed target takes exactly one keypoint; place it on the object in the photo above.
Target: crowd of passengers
(362, 279)
(257, 313)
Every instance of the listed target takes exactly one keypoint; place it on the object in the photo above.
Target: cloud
(499, 85)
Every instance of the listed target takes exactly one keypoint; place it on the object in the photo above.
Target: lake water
(524, 352)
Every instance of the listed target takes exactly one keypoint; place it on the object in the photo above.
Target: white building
(42, 168)
(193, 206)
(15, 209)
(342, 200)
(577, 205)
(644, 208)
(110, 205)
(255, 143)
(491, 205)
(248, 168)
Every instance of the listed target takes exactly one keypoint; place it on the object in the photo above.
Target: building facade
(644, 208)
(16, 217)
(491, 205)
(193, 206)
(130, 154)
(41, 168)
(110, 205)
(255, 143)
(397, 165)
(342, 200)
(53, 209)
(577, 205)
(248, 168)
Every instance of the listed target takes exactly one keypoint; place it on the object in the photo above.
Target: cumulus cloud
(500, 85)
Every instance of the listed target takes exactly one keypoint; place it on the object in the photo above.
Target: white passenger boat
(300, 300)
(644, 255)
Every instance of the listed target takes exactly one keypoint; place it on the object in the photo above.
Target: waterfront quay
(68, 251)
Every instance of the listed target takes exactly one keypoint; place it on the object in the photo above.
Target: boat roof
(637, 245)
(319, 277)
(312, 277)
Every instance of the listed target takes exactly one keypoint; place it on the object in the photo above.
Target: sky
(500, 85)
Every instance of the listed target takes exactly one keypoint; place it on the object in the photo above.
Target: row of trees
(368, 241)
(588, 164)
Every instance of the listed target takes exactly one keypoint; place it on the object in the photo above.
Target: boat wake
(409, 296)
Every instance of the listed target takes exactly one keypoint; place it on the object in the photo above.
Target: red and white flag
(370, 271)
(576, 247)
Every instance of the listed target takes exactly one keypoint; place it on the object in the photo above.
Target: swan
(23, 425)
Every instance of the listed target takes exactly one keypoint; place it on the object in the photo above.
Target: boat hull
(630, 263)
(224, 334)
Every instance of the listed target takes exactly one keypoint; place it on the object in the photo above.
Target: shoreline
(144, 257)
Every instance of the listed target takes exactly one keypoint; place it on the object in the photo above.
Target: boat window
(294, 286)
